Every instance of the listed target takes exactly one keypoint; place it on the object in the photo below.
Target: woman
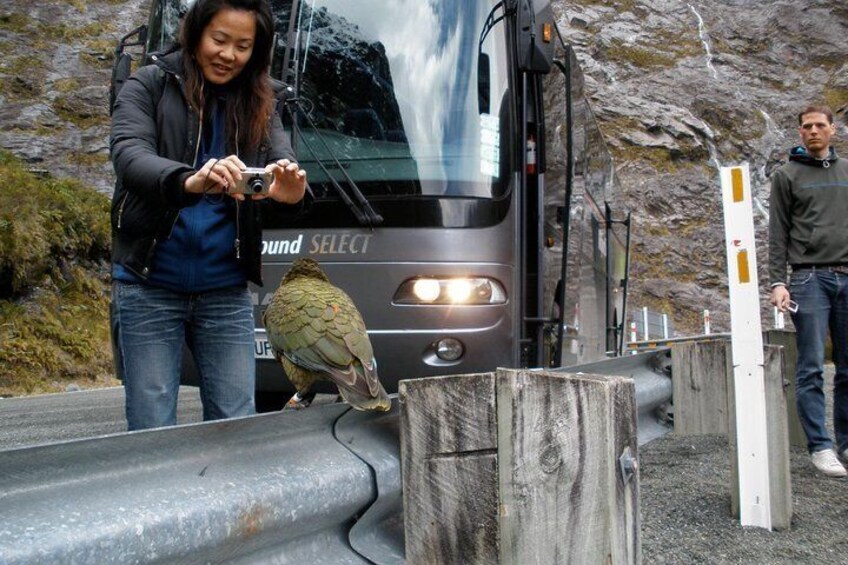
(184, 245)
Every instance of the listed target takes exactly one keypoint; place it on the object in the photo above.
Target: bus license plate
(262, 349)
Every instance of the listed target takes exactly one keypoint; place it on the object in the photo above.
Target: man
(808, 230)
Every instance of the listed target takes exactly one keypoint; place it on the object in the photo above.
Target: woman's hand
(216, 176)
(289, 183)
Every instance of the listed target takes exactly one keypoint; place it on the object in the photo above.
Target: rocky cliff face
(54, 79)
(679, 88)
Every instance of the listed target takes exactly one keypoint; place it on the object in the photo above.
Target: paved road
(48, 418)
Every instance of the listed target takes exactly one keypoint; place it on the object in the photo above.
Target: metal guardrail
(269, 488)
(322, 485)
(652, 344)
(651, 373)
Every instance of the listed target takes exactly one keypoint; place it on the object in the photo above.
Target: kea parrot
(316, 332)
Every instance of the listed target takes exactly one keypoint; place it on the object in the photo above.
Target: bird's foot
(298, 402)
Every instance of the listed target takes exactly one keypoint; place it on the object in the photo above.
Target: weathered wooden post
(519, 467)
(704, 403)
(786, 339)
(449, 469)
(699, 386)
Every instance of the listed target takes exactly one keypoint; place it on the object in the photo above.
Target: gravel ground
(685, 508)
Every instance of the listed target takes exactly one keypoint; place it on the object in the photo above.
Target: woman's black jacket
(153, 146)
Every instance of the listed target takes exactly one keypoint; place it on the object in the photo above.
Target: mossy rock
(43, 219)
(17, 88)
(74, 108)
(638, 56)
(54, 283)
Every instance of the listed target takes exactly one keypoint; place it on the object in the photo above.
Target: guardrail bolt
(629, 465)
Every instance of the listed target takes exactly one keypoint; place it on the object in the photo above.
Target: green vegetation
(88, 159)
(78, 4)
(65, 85)
(99, 53)
(43, 36)
(836, 98)
(662, 160)
(620, 6)
(642, 57)
(17, 88)
(15, 22)
(54, 294)
(24, 64)
(69, 108)
(24, 77)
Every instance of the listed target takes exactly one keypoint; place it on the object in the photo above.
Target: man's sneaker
(826, 462)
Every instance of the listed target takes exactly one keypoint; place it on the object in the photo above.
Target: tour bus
(470, 232)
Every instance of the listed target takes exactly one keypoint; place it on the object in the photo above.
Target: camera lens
(256, 184)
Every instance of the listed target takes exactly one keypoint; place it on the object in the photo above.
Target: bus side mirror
(122, 64)
(121, 70)
(484, 83)
(534, 37)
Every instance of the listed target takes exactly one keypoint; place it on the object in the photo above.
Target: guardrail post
(449, 469)
(704, 403)
(786, 339)
(699, 373)
(520, 466)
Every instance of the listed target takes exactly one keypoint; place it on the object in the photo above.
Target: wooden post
(699, 380)
(786, 339)
(449, 467)
(704, 403)
(780, 482)
(520, 467)
(699, 386)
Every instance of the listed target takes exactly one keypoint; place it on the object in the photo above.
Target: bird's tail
(377, 403)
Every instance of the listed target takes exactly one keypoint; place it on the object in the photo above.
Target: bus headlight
(450, 290)
(426, 290)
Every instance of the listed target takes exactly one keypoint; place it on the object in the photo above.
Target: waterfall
(708, 138)
(705, 40)
(774, 138)
(758, 177)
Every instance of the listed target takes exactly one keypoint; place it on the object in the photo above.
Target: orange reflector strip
(736, 178)
(547, 32)
(742, 264)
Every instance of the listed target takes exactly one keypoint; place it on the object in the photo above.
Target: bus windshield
(409, 98)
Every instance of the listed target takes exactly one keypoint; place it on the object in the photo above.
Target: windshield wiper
(365, 214)
(362, 209)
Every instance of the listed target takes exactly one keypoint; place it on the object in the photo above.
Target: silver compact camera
(253, 181)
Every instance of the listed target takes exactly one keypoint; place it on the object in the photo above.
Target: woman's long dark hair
(251, 94)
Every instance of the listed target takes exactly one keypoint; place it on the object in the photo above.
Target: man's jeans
(150, 326)
(822, 298)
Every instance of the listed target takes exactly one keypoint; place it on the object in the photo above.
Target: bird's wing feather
(316, 326)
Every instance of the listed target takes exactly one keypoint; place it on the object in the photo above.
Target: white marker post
(779, 322)
(747, 348)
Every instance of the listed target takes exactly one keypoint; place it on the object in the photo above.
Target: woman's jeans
(822, 298)
(150, 326)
